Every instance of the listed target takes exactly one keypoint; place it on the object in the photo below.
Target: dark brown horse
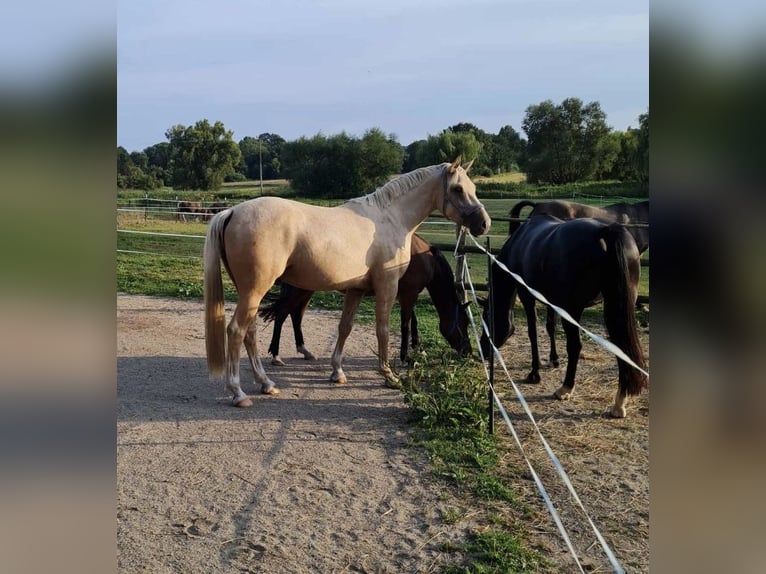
(190, 208)
(574, 264)
(428, 269)
(627, 213)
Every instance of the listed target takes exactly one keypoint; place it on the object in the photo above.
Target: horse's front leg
(384, 300)
(350, 305)
(297, 318)
(407, 319)
(275, 338)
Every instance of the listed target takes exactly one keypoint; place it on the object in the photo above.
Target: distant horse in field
(627, 213)
(428, 269)
(360, 246)
(573, 264)
(191, 208)
(214, 208)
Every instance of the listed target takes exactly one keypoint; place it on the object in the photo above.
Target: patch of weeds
(188, 290)
(447, 397)
(497, 552)
(452, 515)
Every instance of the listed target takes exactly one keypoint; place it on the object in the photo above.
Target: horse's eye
(458, 188)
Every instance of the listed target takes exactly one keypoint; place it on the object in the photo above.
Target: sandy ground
(320, 479)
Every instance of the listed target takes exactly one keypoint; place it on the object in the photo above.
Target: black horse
(575, 264)
(428, 269)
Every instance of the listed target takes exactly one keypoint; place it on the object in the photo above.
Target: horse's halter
(446, 200)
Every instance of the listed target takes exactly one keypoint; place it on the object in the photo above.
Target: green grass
(448, 400)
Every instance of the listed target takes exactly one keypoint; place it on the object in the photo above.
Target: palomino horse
(636, 213)
(428, 269)
(362, 245)
(573, 264)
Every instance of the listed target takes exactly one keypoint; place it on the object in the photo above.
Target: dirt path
(320, 479)
(317, 480)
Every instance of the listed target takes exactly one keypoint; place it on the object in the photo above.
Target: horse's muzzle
(477, 222)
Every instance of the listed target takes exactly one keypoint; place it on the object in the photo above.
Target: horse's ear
(455, 164)
(467, 166)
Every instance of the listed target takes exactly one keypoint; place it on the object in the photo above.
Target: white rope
(161, 234)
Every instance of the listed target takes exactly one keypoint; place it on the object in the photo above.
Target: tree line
(565, 143)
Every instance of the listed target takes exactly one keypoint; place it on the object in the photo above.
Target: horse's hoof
(392, 383)
(242, 403)
(309, 356)
(277, 361)
(340, 380)
(269, 390)
(531, 380)
(555, 363)
(562, 394)
(618, 412)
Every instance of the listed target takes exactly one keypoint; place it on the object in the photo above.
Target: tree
(566, 143)
(509, 149)
(446, 147)
(132, 176)
(341, 165)
(201, 155)
(261, 153)
(642, 147)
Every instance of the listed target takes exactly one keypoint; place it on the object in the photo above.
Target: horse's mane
(388, 192)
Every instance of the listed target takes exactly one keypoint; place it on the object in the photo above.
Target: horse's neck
(412, 207)
(442, 291)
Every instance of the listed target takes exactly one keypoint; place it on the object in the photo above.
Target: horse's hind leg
(529, 308)
(574, 346)
(259, 373)
(550, 327)
(244, 314)
(618, 410)
(350, 305)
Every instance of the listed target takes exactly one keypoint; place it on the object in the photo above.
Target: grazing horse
(573, 264)
(193, 208)
(428, 269)
(213, 208)
(617, 212)
(360, 246)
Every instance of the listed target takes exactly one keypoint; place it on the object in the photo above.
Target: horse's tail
(620, 286)
(515, 212)
(215, 313)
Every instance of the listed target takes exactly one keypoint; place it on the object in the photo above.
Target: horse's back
(563, 259)
(312, 247)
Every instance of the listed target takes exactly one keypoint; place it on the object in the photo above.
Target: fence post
(490, 297)
(460, 267)
(146, 204)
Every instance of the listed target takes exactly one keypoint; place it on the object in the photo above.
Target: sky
(409, 67)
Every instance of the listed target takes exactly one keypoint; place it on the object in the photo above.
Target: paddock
(322, 478)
